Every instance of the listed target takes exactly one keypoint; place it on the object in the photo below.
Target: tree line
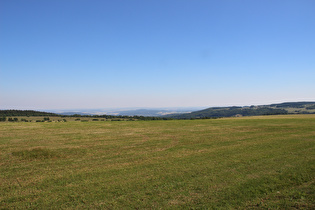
(4, 114)
(26, 113)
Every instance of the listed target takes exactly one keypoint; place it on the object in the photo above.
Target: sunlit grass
(252, 162)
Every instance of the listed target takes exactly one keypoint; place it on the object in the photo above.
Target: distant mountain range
(151, 112)
(272, 109)
(147, 112)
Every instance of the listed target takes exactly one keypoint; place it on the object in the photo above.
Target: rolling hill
(236, 111)
(213, 112)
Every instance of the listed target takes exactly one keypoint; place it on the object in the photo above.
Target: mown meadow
(228, 163)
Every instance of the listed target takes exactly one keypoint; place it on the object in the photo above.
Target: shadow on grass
(36, 153)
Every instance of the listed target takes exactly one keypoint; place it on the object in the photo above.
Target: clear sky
(63, 54)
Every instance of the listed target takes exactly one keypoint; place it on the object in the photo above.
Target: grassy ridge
(252, 162)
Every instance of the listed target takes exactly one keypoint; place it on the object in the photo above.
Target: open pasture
(249, 162)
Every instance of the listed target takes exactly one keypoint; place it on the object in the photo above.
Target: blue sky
(64, 54)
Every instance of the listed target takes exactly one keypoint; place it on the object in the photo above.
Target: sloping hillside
(273, 109)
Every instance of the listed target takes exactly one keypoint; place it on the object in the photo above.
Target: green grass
(250, 162)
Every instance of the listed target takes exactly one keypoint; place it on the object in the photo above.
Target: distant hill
(293, 105)
(142, 112)
(273, 109)
(213, 112)
(12, 113)
(147, 112)
(151, 112)
(30, 113)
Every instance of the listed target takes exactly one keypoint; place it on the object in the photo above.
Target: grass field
(249, 162)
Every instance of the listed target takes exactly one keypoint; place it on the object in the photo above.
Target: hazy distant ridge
(147, 112)
(213, 112)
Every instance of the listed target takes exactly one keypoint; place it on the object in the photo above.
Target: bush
(116, 119)
(310, 107)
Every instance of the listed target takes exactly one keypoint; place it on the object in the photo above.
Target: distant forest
(293, 105)
(230, 112)
(26, 113)
(30, 113)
